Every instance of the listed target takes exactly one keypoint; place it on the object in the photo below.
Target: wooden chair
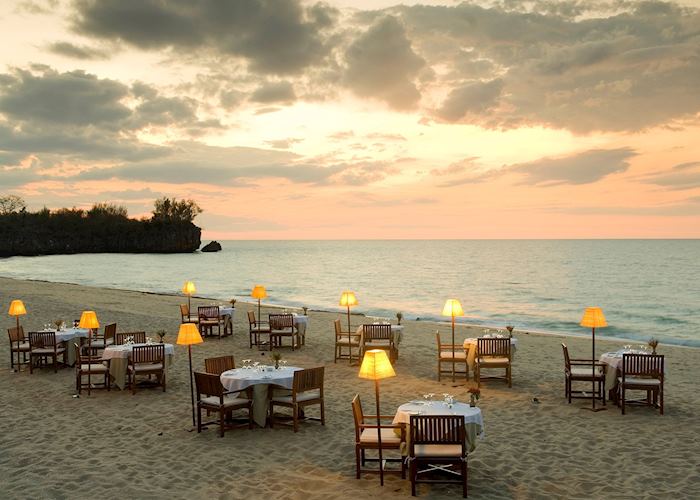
(493, 353)
(379, 337)
(212, 396)
(256, 329)
(581, 370)
(282, 325)
(219, 365)
(138, 337)
(42, 347)
(440, 440)
(185, 316)
(208, 319)
(147, 360)
(19, 344)
(445, 356)
(89, 364)
(307, 390)
(642, 372)
(345, 340)
(107, 338)
(367, 438)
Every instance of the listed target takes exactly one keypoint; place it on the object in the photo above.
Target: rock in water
(212, 246)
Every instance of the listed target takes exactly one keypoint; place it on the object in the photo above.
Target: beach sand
(115, 445)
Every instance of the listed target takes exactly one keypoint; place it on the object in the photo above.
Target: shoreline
(272, 305)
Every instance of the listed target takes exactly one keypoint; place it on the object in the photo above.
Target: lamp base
(600, 408)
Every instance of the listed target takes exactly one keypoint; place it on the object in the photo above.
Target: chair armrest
(375, 416)
(375, 426)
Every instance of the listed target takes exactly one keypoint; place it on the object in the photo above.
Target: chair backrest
(138, 337)
(373, 332)
(208, 384)
(643, 365)
(42, 340)
(338, 329)
(281, 321)
(567, 359)
(208, 312)
(493, 347)
(307, 380)
(251, 318)
(110, 331)
(437, 337)
(437, 429)
(154, 353)
(358, 416)
(184, 313)
(219, 365)
(16, 334)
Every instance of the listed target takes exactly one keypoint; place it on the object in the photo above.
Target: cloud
(381, 64)
(475, 98)
(274, 36)
(77, 51)
(284, 143)
(681, 176)
(219, 222)
(272, 92)
(581, 168)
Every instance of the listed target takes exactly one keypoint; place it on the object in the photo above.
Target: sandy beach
(115, 445)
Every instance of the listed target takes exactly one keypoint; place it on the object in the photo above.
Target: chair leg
(661, 398)
(323, 413)
(295, 417)
(55, 363)
(272, 414)
(250, 415)
(199, 419)
(163, 379)
(357, 461)
(622, 397)
(221, 421)
(465, 472)
(413, 473)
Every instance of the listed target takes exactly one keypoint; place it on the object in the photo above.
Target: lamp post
(453, 308)
(376, 366)
(189, 335)
(258, 292)
(88, 319)
(348, 299)
(17, 309)
(593, 318)
(189, 289)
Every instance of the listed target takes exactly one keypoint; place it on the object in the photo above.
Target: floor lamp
(89, 320)
(348, 299)
(376, 366)
(593, 318)
(189, 289)
(17, 309)
(259, 293)
(453, 308)
(189, 335)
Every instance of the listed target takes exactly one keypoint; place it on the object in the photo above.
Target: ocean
(647, 288)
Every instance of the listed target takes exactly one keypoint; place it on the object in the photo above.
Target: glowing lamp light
(259, 292)
(17, 308)
(348, 299)
(453, 308)
(593, 318)
(89, 320)
(189, 334)
(188, 288)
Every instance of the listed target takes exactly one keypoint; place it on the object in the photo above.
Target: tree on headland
(171, 209)
(108, 210)
(11, 204)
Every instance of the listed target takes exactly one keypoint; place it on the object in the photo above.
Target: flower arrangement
(399, 317)
(474, 395)
(161, 335)
(653, 343)
(232, 302)
(276, 356)
(306, 310)
(510, 330)
(58, 323)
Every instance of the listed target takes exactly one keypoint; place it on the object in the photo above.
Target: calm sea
(645, 287)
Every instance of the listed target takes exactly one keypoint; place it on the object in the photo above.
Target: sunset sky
(287, 119)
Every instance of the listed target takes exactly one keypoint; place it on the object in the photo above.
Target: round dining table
(260, 379)
(473, 420)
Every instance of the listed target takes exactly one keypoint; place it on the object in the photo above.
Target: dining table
(473, 419)
(226, 314)
(70, 336)
(471, 343)
(118, 357)
(262, 379)
(613, 366)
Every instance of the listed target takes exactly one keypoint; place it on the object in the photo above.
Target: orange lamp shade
(188, 334)
(376, 365)
(188, 288)
(89, 320)
(258, 292)
(452, 308)
(17, 308)
(593, 317)
(348, 299)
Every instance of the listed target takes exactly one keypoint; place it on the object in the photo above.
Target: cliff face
(36, 234)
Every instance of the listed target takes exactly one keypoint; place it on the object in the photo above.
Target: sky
(291, 119)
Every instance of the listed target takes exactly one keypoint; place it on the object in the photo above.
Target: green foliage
(171, 209)
(108, 210)
(11, 204)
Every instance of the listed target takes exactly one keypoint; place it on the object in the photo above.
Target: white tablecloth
(472, 416)
(242, 378)
(470, 347)
(67, 335)
(613, 365)
(118, 356)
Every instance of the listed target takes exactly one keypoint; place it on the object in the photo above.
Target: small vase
(277, 364)
(472, 401)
